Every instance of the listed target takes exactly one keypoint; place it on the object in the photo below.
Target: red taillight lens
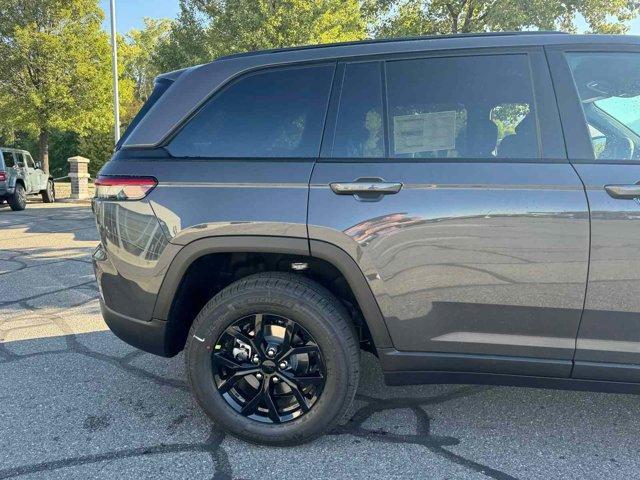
(3, 176)
(124, 188)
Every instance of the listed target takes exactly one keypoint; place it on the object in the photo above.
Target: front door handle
(623, 191)
(366, 187)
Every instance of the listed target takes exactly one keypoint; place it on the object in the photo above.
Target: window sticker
(424, 132)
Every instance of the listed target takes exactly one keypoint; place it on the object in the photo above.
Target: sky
(129, 13)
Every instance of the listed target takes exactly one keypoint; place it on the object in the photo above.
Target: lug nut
(283, 365)
(259, 376)
(271, 352)
(255, 359)
(276, 379)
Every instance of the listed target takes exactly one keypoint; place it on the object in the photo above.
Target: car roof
(474, 38)
(192, 86)
(7, 149)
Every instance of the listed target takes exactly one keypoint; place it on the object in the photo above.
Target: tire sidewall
(50, 192)
(210, 325)
(19, 200)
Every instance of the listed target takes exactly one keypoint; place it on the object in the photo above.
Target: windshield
(609, 89)
(624, 110)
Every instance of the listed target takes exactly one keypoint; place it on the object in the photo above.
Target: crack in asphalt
(213, 445)
(437, 444)
(423, 436)
(50, 292)
(25, 266)
(115, 455)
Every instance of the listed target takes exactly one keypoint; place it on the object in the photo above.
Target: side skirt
(418, 378)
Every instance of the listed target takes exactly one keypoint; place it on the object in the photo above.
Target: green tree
(416, 17)
(54, 68)
(141, 48)
(207, 29)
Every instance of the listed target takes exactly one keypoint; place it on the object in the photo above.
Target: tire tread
(307, 291)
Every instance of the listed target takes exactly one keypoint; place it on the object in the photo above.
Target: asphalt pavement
(76, 402)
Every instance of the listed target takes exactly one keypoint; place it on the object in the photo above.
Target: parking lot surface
(76, 402)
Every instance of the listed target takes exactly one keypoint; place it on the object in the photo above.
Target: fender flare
(284, 245)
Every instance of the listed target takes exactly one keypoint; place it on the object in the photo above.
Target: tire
(49, 194)
(18, 201)
(317, 313)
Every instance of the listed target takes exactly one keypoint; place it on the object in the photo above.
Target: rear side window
(19, 159)
(9, 160)
(274, 113)
(462, 107)
(359, 126)
(161, 86)
(609, 88)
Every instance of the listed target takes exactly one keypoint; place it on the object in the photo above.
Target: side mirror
(39, 165)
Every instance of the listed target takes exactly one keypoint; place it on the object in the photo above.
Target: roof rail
(398, 39)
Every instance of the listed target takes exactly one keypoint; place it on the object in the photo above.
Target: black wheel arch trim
(360, 288)
(272, 244)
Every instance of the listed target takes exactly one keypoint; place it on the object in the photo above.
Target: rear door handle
(360, 187)
(623, 191)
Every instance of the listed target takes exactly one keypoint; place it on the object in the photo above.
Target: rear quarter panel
(200, 198)
(193, 199)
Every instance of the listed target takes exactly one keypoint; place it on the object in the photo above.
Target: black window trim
(228, 84)
(331, 121)
(551, 145)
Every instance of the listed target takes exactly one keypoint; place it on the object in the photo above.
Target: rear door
(446, 179)
(19, 167)
(34, 179)
(599, 92)
(40, 178)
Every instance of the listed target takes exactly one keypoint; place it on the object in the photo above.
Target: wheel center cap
(268, 366)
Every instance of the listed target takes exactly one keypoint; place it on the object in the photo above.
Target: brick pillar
(79, 174)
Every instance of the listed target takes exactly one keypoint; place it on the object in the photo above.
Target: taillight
(124, 188)
(3, 176)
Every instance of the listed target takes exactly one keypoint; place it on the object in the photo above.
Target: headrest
(481, 139)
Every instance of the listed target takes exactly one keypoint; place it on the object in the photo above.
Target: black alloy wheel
(273, 358)
(268, 368)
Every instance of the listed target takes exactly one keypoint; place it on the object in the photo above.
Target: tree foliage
(54, 72)
(390, 18)
(207, 29)
(139, 57)
(55, 60)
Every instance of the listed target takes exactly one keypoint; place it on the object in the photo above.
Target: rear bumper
(5, 190)
(148, 336)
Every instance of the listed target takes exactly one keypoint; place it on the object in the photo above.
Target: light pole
(114, 65)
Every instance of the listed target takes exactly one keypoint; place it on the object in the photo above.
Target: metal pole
(114, 64)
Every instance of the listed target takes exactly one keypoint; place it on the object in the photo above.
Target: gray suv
(466, 208)
(21, 176)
